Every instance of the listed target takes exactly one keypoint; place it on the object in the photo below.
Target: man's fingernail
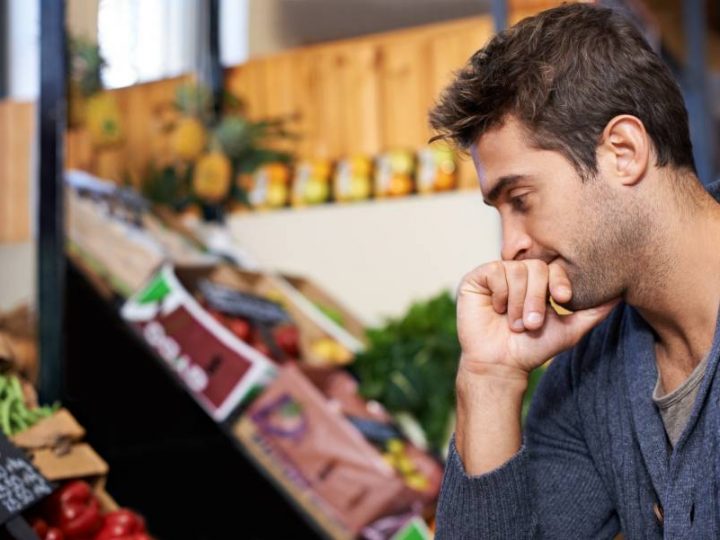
(534, 317)
(518, 325)
(563, 291)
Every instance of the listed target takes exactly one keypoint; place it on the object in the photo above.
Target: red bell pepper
(239, 327)
(122, 524)
(75, 511)
(288, 339)
(133, 536)
(53, 533)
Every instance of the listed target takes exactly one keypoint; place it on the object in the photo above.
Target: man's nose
(516, 243)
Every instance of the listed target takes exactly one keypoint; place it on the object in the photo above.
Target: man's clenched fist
(505, 325)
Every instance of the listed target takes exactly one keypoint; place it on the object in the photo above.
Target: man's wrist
(499, 376)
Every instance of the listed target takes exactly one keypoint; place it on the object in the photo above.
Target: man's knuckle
(516, 270)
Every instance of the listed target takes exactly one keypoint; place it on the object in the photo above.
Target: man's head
(565, 114)
(564, 74)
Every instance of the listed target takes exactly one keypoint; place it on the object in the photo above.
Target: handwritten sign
(21, 485)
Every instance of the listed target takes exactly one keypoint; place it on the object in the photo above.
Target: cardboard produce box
(112, 231)
(304, 441)
(323, 342)
(218, 368)
(55, 446)
(334, 335)
(125, 258)
(329, 306)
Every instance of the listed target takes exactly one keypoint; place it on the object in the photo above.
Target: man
(580, 140)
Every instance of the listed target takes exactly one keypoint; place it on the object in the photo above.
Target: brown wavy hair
(565, 73)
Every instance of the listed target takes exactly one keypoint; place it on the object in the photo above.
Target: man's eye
(519, 203)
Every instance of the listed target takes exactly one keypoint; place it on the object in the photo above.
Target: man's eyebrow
(503, 184)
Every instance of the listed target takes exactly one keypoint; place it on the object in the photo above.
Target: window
(146, 40)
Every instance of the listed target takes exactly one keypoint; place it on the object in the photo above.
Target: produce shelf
(147, 427)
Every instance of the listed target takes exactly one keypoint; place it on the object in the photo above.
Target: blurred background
(228, 251)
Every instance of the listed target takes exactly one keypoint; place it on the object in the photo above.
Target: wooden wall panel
(405, 95)
(363, 95)
(17, 121)
(246, 82)
(309, 100)
(359, 80)
(142, 110)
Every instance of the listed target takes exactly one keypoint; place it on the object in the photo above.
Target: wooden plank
(17, 121)
(449, 53)
(359, 79)
(308, 99)
(331, 135)
(144, 139)
(405, 95)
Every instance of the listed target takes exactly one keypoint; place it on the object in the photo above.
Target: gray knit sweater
(595, 458)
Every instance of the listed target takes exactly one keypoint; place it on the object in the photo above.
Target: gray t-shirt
(675, 407)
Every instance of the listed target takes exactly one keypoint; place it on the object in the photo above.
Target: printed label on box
(218, 368)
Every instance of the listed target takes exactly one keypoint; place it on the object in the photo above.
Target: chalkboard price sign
(21, 485)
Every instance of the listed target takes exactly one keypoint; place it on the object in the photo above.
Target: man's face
(549, 213)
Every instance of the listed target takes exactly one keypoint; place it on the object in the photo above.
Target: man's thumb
(581, 322)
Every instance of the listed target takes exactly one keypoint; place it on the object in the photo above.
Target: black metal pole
(216, 71)
(696, 87)
(4, 47)
(500, 14)
(50, 231)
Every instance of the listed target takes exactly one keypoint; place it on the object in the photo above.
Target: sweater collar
(638, 351)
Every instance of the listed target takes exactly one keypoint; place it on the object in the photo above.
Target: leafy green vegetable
(410, 366)
(410, 363)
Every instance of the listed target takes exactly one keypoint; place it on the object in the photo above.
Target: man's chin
(580, 302)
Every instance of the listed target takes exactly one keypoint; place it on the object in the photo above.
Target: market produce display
(311, 393)
(262, 324)
(268, 187)
(394, 174)
(410, 365)
(212, 158)
(311, 184)
(73, 512)
(304, 441)
(353, 179)
(15, 414)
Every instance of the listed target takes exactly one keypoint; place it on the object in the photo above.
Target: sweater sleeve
(549, 489)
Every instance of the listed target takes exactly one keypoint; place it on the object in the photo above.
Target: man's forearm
(488, 431)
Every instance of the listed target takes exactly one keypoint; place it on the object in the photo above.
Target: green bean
(5, 416)
(17, 389)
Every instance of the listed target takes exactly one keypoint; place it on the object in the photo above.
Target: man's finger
(497, 283)
(536, 295)
(516, 274)
(581, 322)
(559, 284)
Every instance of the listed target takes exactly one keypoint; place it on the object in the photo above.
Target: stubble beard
(608, 252)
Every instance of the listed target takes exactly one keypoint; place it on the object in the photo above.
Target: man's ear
(624, 151)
